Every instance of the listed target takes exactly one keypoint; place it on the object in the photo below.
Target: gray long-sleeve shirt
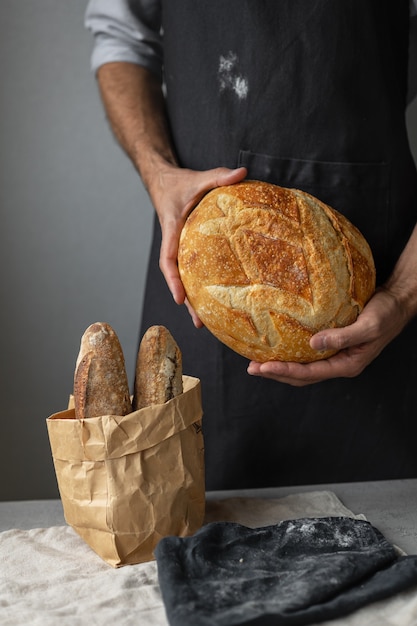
(122, 33)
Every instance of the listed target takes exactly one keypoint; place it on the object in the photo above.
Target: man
(301, 94)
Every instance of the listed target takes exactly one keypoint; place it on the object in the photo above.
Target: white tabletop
(391, 506)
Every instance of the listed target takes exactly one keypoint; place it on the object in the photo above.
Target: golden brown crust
(158, 369)
(100, 380)
(266, 267)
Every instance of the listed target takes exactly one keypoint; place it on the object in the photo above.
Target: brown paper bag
(127, 481)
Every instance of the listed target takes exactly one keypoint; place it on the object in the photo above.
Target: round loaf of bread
(266, 267)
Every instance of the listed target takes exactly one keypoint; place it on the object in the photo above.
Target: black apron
(311, 95)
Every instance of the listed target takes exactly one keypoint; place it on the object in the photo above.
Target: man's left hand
(358, 344)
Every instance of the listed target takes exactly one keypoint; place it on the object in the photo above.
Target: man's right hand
(174, 193)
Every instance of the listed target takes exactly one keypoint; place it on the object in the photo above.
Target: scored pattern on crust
(267, 267)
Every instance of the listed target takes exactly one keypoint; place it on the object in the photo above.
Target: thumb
(206, 180)
(224, 176)
(337, 338)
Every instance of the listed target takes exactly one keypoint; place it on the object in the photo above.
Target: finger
(341, 338)
(347, 363)
(168, 264)
(196, 320)
(229, 177)
(173, 280)
(295, 374)
(217, 177)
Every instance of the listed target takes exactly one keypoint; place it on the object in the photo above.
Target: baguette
(158, 376)
(100, 381)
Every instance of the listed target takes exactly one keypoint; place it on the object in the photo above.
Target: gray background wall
(75, 224)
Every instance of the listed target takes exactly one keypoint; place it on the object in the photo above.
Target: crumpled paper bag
(127, 481)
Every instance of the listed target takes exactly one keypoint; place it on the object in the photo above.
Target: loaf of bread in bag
(158, 376)
(266, 267)
(100, 382)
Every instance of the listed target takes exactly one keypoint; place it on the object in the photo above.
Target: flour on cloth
(295, 572)
(50, 576)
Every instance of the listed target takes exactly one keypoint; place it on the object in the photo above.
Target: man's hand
(381, 320)
(175, 192)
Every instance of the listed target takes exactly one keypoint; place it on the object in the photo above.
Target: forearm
(134, 104)
(402, 283)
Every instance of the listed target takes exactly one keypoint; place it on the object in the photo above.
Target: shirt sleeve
(125, 30)
(413, 7)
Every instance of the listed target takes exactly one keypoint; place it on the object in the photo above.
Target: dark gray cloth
(296, 572)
